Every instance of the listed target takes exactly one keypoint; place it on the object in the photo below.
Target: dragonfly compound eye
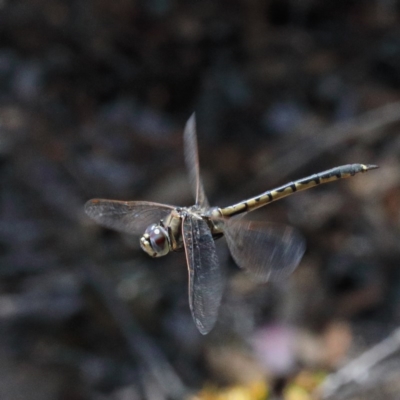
(155, 241)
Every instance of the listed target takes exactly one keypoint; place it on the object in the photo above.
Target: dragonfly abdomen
(344, 171)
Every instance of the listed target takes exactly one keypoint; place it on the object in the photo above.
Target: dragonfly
(266, 250)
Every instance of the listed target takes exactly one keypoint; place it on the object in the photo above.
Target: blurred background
(94, 95)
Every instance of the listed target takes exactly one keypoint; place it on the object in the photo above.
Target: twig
(295, 155)
(358, 369)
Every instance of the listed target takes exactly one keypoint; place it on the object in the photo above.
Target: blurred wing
(268, 251)
(205, 278)
(126, 216)
(192, 161)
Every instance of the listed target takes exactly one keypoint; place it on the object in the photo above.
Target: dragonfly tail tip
(371, 166)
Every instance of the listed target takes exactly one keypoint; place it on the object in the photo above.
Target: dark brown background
(93, 100)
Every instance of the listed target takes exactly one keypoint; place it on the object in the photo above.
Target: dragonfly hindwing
(205, 280)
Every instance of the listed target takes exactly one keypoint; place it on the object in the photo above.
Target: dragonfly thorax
(155, 241)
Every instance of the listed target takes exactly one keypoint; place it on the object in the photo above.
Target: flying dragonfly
(268, 251)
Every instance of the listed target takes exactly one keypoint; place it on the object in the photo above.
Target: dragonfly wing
(126, 216)
(192, 161)
(268, 251)
(205, 278)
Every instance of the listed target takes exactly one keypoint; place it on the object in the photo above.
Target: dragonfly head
(155, 241)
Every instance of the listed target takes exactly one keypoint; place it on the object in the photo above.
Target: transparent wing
(126, 216)
(268, 251)
(205, 277)
(192, 161)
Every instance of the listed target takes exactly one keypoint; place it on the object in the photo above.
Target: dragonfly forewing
(268, 251)
(192, 162)
(205, 277)
(126, 216)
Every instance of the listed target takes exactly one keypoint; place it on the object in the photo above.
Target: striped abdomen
(344, 171)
